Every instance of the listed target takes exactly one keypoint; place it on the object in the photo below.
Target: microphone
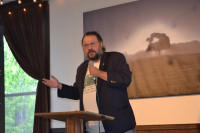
(91, 63)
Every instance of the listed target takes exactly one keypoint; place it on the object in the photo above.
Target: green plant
(19, 110)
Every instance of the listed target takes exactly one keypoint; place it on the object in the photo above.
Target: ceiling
(6, 1)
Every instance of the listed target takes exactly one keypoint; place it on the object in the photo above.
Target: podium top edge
(74, 114)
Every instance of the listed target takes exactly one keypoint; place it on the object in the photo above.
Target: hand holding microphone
(96, 72)
(92, 69)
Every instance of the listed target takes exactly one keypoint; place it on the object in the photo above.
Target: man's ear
(101, 44)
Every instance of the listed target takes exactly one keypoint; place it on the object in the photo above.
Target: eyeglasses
(92, 44)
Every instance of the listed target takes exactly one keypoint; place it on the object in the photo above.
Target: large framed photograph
(161, 42)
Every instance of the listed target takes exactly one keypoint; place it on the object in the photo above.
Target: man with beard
(101, 86)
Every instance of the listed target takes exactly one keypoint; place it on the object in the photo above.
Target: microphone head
(91, 63)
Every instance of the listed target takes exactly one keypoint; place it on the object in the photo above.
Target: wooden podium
(74, 119)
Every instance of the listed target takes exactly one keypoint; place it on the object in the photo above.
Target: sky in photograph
(126, 27)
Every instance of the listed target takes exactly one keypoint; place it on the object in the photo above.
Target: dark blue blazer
(112, 97)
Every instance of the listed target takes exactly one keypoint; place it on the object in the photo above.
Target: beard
(97, 55)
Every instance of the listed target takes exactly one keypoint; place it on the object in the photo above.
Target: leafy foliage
(19, 110)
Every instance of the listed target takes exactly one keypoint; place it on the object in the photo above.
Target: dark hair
(93, 33)
(89, 33)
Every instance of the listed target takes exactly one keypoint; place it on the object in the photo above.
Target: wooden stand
(74, 120)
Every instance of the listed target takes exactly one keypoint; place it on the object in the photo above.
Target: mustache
(90, 51)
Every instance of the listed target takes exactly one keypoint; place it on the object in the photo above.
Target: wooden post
(74, 125)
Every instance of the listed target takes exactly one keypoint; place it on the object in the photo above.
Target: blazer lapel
(103, 62)
(83, 73)
(102, 67)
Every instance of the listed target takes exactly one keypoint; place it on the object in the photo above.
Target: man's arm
(53, 83)
(64, 91)
(117, 74)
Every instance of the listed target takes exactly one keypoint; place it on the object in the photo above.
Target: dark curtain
(26, 30)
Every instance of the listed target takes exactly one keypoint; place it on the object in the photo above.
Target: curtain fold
(27, 33)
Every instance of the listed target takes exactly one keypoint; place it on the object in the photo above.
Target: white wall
(66, 30)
